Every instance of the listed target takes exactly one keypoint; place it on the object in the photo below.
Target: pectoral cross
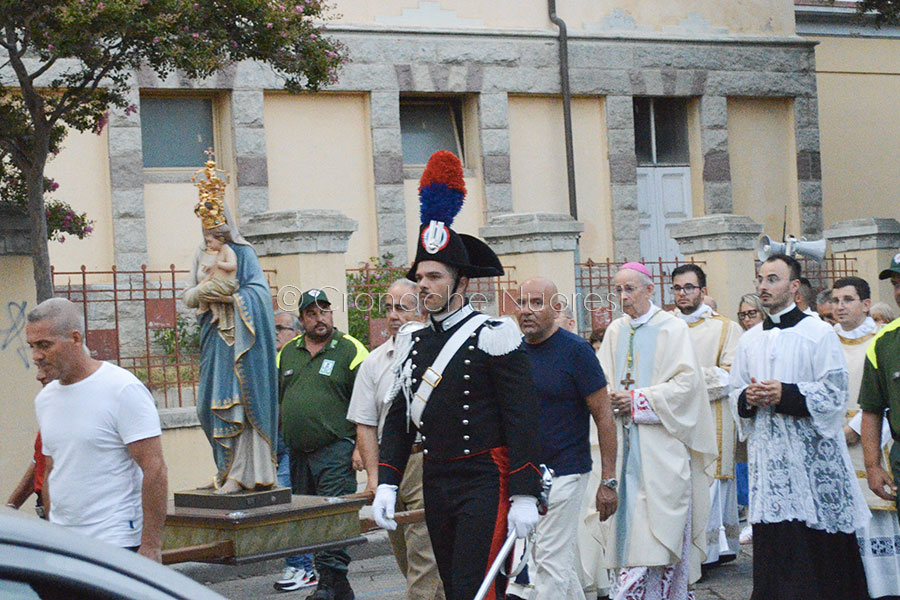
(628, 381)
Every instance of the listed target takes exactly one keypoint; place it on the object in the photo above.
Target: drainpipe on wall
(581, 315)
(567, 104)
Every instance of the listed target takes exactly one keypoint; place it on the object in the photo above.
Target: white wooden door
(664, 199)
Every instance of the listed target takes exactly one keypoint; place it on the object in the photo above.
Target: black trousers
(327, 471)
(466, 504)
(793, 562)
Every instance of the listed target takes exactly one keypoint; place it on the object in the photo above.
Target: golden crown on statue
(211, 188)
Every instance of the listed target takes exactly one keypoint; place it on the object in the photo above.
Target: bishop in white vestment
(856, 331)
(666, 443)
(789, 390)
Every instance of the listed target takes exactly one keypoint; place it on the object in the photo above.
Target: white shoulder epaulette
(499, 336)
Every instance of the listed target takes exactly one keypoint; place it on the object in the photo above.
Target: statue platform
(252, 526)
(208, 498)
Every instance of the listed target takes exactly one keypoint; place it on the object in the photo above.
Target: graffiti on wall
(12, 338)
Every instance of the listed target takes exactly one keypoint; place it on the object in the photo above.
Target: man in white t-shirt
(106, 477)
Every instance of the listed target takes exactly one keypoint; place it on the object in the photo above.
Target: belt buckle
(430, 374)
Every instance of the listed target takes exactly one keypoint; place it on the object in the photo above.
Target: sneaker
(287, 577)
(746, 536)
(295, 579)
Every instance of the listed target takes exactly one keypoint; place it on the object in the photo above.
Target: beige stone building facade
(696, 125)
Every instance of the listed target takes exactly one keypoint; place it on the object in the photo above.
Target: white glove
(523, 515)
(383, 506)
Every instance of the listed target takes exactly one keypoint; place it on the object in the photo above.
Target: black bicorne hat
(441, 194)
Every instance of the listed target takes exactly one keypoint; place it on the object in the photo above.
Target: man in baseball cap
(316, 373)
(314, 296)
(893, 273)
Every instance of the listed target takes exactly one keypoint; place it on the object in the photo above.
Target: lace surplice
(799, 466)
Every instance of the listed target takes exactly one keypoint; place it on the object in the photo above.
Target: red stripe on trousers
(501, 459)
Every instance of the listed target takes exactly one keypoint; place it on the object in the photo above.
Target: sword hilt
(547, 475)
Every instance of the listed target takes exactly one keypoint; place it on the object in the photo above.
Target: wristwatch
(612, 483)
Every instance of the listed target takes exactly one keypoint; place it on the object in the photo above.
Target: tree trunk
(40, 255)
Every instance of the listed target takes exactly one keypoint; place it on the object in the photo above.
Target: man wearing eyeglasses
(287, 327)
(789, 388)
(715, 340)
(666, 443)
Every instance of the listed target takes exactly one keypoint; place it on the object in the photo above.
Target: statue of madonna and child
(237, 396)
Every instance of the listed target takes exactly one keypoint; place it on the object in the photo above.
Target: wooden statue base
(208, 498)
(306, 524)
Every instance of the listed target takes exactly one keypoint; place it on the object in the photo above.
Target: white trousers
(555, 558)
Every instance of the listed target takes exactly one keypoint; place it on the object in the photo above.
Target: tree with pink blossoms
(64, 64)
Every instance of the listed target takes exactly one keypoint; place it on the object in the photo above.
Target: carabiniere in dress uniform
(464, 383)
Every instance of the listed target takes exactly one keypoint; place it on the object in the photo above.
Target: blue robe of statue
(238, 385)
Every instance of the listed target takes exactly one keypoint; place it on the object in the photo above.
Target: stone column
(873, 242)
(623, 177)
(248, 125)
(126, 180)
(809, 166)
(493, 116)
(726, 243)
(387, 157)
(716, 161)
(306, 248)
(537, 245)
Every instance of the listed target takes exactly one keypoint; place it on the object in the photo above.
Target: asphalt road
(374, 576)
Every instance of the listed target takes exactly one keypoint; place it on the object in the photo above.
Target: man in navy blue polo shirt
(572, 389)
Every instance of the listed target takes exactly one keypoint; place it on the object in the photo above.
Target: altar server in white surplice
(715, 340)
(857, 330)
(666, 441)
(789, 389)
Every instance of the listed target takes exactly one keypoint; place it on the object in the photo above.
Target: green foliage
(886, 11)
(187, 340)
(157, 377)
(366, 288)
(66, 63)
(62, 219)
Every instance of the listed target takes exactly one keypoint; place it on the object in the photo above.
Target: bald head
(403, 286)
(538, 309)
(539, 285)
(401, 304)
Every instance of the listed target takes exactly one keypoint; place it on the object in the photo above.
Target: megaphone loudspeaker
(766, 247)
(814, 250)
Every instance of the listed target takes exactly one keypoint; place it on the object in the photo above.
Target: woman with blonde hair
(750, 311)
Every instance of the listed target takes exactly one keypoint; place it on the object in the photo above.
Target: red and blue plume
(442, 188)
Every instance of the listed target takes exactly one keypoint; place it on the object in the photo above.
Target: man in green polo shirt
(316, 371)
(881, 390)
